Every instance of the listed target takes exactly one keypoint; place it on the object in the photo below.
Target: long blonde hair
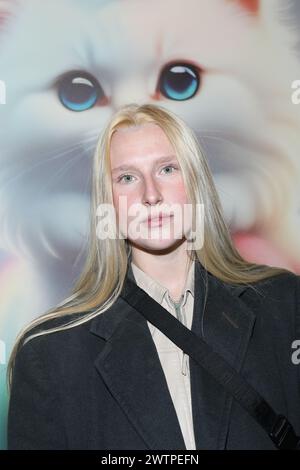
(101, 280)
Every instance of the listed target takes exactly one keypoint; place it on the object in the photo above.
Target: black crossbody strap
(276, 425)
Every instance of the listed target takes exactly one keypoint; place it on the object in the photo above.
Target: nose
(152, 193)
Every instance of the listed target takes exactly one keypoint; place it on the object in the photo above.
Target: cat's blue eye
(79, 91)
(179, 81)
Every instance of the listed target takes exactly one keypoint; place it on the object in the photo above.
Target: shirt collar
(155, 289)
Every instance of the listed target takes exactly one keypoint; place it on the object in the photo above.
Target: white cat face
(68, 65)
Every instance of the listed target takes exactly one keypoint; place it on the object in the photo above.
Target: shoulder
(282, 287)
(59, 323)
(56, 340)
(279, 288)
(276, 303)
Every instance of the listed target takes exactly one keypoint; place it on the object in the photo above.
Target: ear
(252, 6)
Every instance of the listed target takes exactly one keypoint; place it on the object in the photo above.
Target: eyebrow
(130, 167)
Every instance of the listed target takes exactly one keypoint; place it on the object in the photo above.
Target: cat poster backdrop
(224, 66)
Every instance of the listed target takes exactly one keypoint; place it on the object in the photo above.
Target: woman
(92, 373)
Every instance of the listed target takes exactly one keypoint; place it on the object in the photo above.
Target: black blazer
(100, 385)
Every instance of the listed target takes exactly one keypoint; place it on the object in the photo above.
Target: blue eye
(170, 166)
(79, 91)
(123, 176)
(179, 81)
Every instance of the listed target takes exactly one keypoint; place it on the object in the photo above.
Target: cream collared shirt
(174, 362)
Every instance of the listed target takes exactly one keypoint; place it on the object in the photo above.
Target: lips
(158, 218)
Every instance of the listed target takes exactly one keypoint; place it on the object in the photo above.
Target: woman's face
(150, 182)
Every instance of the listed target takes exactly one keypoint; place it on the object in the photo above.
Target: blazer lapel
(226, 325)
(131, 368)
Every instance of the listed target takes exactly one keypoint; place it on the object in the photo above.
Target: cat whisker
(56, 176)
(50, 158)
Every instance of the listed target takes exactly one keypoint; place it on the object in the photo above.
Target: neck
(169, 269)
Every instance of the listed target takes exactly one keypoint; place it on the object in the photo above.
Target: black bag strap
(276, 425)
